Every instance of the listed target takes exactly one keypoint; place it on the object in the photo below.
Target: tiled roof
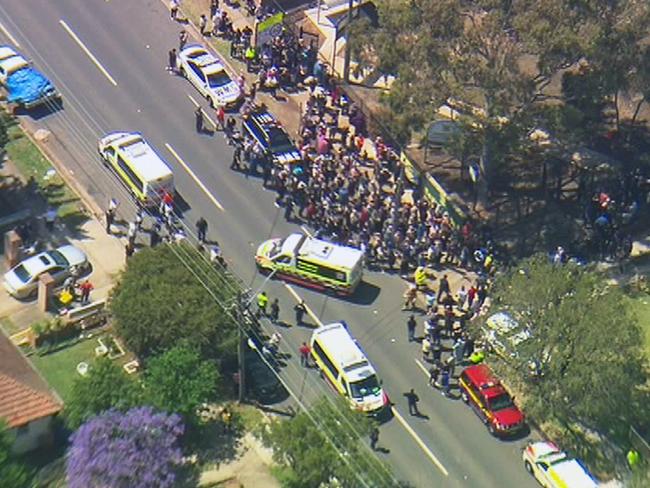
(19, 404)
(24, 395)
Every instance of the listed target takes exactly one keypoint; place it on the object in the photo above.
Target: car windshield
(278, 139)
(501, 402)
(219, 79)
(58, 258)
(365, 387)
(22, 273)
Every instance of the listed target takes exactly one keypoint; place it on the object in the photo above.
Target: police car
(208, 75)
(271, 137)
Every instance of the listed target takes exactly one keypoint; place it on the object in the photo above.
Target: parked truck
(26, 86)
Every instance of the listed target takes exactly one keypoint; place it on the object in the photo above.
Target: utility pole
(348, 53)
(240, 311)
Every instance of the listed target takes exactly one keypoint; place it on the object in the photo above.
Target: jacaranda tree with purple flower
(136, 449)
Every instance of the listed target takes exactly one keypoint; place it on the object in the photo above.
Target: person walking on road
(374, 438)
(182, 39)
(201, 229)
(304, 351)
(300, 310)
(221, 117)
(445, 382)
(410, 325)
(434, 373)
(198, 117)
(275, 311)
(262, 300)
(171, 61)
(412, 398)
(410, 295)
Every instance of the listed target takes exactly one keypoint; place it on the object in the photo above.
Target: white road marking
(422, 367)
(87, 51)
(306, 231)
(196, 104)
(419, 442)
(8, 35)
(194, 177)
(397, 415)
(309, 310)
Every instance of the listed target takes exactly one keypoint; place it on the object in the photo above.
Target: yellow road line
(87, 51)
(196, 104)
(309, 310)
(419, 442)
(8, 34)
(194, 177)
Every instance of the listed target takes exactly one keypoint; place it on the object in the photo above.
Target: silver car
(22, 280)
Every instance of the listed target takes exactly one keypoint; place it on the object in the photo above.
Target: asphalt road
(127, 88)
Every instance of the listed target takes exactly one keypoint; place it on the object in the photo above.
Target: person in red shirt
(221, 116)
(304, 350)
(85, 288)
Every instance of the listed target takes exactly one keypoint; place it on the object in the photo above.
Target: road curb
(88, 202)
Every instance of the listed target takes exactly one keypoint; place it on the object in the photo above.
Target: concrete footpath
(106, 255)
(249, 469)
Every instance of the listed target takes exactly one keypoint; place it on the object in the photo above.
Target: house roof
(24, 394)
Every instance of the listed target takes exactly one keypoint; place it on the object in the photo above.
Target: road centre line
(87, 51)
(8, 35)
(299, 300)
(397, 415)
(196, 104)
(419, 442)
(422, 366)
(194, 177)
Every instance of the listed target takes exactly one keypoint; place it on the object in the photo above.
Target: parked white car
(554, 468)
(208, 74)
(22, 280)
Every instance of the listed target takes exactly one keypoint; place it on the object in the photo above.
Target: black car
(271, 137)
(262, 383)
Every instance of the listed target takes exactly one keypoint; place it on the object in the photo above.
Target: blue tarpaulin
(28, 85)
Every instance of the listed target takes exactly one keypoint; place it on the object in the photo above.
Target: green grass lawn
(31, 163)
(60, 368)
(641, 305)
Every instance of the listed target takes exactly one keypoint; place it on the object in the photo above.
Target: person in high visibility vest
(633, 458)
(249, 56)
(262, 300)
(420, 276)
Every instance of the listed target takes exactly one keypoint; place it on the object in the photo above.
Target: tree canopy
(587, 342)
(105, 387)
(12, 472)
(135, 449)
(159, 302)
(180, 381)
(500, 62)
(314, 454)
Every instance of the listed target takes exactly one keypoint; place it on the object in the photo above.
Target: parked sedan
(208, 75)
(22, 280)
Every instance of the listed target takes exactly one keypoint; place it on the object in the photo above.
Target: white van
(139, 167)
(346, 367)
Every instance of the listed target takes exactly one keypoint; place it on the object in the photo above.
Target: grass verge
(33, 165)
